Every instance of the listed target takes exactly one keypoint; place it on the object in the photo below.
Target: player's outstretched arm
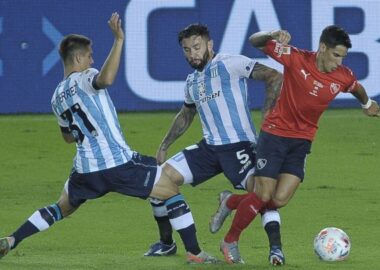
(180, 124)
(273, 83)
(110, 67)
(259, 39)
(369, 106)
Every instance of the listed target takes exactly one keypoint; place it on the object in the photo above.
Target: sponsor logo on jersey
(317, 86)
(261, 162)
(304, 73)
(334, 88)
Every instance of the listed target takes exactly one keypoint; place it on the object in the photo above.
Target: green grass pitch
(341, 189)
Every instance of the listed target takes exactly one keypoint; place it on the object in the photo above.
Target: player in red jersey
(311, 81)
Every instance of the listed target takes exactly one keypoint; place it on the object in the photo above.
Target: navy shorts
(276, 155)
(235, 160)
(134, 178)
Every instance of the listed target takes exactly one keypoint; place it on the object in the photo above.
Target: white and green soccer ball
(332, 244)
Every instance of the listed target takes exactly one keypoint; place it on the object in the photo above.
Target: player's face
(198, 51)
(331, 58)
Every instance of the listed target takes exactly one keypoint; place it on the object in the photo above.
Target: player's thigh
(271, 151)
(135, 178)
(286, 187)
(295, 162)
(237, 161)
(196, 164)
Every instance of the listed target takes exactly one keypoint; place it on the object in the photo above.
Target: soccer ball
(332, 244)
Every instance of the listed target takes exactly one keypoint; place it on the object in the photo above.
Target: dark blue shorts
(134, 178)
(276, 155)
(235, 160)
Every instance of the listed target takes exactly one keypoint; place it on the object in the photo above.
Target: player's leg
(39, 221)
(180, 218)
(193, 165)
(166, 245)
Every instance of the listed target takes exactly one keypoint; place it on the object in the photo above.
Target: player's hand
(161, 156)
(281, 36)
(115, 24)
(373, 110)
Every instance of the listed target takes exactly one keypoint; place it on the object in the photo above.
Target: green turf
(341, 189)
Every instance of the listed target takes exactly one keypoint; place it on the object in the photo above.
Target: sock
(234, 200)
(182, 221)
(271, 222)
(161, 216)
(270, 205)
(245, 213)
(41, 220)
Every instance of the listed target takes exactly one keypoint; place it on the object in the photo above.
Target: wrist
(367, 105)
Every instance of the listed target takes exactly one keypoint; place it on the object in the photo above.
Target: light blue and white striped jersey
(91, 117)
(219, 93)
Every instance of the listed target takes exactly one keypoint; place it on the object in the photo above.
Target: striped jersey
(91, 117)
(220, 95)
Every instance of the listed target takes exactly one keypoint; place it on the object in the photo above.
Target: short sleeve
(280, 52)
(240, 65)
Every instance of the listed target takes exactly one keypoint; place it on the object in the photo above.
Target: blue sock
(182, 221)
(41, 220)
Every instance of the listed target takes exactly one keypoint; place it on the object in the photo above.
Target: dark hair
(194, 30)
(70, 44)
(334, 35)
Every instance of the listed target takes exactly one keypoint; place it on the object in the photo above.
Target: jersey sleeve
(280, 52)
(352, 82)
(241, 65)
(188, 99)
(61, 122)
(88, 79)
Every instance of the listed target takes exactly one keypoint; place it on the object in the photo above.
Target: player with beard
(217, 90)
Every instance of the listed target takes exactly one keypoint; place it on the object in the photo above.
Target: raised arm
(259, 39)
(110, 67)
(370, 107)
(181, 123)
(273, 82)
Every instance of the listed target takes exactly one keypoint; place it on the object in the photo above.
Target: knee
(264, 188)
(280, 201)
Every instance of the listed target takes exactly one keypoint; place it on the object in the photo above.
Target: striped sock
(161, 216)
(41, 220)
(182, 221)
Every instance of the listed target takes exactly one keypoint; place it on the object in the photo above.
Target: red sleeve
(279, 52)
(353, 83)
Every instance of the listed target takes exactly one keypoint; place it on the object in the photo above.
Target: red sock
(246, 212)
(270, 205)
(235, 199)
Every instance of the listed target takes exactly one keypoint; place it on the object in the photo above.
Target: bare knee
(65, 206)
(264, 188)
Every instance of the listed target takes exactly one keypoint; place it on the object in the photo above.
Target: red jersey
(306, 92)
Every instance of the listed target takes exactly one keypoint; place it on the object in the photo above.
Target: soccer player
(217, 90)
(311, 81)
(104, 162)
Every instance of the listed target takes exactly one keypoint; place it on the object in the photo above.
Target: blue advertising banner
(153, 69)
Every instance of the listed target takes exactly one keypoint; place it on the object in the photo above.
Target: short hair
(334, 35)
(196, 29)
(72, 43)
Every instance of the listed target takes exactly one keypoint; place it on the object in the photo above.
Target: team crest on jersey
(281, 49)
(334, 88)
(214, 71)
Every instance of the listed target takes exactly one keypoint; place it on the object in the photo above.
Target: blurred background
(153, 69)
